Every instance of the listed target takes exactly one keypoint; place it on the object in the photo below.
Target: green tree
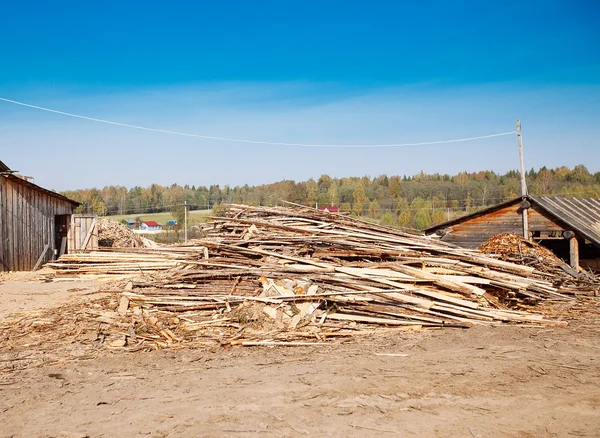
(312, 192)
(421, 213)
(178, 212)
(394, 187)
(581, 175)
(359, 198)
(544, 183)
(389, 219)
(332, 193)
(374, 209)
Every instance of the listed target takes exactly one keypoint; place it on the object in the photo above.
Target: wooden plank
(90, 231)
(574, 252)
(3, 210)
(41, 257)
(63, 246)
(71, 235)
(454, 284)
(373, 320)
(11, 221)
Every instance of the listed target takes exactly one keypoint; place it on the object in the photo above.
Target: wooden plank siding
(27, 215)
(81, 225)
(474, 231)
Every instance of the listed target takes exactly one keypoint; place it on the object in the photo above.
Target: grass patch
(194, 217)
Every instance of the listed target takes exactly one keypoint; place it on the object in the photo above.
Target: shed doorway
(61, 231)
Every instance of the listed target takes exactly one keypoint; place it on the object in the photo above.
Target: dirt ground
(487, 381)
(27, 292)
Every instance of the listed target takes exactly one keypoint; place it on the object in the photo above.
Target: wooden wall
(473, 232)
(27, 224)
(83, 233)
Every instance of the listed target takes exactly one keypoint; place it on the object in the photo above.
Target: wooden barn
(34, 223)
(568, 226)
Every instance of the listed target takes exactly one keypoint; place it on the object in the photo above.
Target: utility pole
(185, 221)
(524, 203)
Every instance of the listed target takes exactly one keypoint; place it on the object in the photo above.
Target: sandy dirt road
(27, 292)
(503, 381)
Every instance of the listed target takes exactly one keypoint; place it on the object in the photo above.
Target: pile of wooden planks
(264, 275)
(113, 262)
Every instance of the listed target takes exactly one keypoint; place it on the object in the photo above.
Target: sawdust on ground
(488, 381)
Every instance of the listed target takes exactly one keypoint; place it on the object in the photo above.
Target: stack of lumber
(113, 234)
(265, 275)
(110, 264)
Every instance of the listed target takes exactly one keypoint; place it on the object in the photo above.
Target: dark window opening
(560, 247)
(61, 230)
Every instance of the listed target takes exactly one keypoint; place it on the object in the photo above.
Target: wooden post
(523, 182)
(185, 221)
(574, 252)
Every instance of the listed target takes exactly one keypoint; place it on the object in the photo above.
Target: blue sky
(299, 72)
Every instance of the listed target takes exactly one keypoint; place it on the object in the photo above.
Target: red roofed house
(330, 209)
(150, 226)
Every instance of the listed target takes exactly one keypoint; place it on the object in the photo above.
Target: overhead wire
(239, 140)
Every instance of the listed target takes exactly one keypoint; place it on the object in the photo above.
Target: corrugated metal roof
(583, 214)
(3, 167)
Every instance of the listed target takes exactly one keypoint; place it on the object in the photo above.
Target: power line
(270, 143)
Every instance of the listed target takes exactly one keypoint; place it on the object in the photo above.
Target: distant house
(570, 227)
(330, 209)
(129, 223)
(150, 226)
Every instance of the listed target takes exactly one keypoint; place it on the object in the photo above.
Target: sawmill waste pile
(297, 276)
(113, 234)
(516, 249)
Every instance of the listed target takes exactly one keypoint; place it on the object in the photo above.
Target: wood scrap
(113, 234)
(547, 265)
(287, 274)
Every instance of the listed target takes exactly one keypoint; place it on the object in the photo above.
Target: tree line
(412, 202)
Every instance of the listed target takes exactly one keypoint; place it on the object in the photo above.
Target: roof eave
(446, 224)
(29, 184)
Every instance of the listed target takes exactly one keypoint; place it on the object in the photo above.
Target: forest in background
(411, 202)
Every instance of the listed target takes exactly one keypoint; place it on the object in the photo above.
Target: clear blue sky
(295, 71)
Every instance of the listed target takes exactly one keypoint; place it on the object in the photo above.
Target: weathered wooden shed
(568, 226)
(34, 222)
